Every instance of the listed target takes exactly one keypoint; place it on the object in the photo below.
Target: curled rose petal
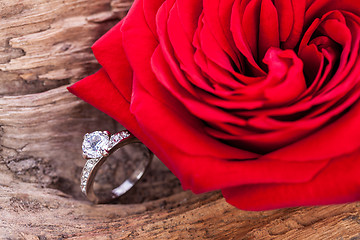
(257, 98)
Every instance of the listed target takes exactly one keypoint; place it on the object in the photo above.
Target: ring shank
(126, 185)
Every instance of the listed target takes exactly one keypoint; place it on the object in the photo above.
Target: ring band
(97, 147)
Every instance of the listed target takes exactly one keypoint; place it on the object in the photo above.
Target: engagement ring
(97, 147)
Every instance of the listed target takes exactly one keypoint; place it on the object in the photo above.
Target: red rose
(257, 98)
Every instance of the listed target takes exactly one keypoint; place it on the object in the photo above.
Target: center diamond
(94, 143)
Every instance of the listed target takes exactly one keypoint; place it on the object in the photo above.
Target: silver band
(97, 147)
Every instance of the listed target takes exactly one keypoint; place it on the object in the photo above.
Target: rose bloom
(257, 98)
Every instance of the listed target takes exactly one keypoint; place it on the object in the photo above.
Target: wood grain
(44, 47)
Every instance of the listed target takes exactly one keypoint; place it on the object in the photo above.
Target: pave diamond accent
(94, 143)
(89, 166)
(117, 137)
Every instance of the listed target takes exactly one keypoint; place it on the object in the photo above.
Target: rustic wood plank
(50, 213)
(45, 44)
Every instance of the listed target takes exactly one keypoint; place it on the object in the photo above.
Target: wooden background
(44, 47)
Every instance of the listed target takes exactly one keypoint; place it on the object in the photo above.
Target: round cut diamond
(94, 143)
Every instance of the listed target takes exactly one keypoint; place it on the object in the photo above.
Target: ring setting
(97, 147)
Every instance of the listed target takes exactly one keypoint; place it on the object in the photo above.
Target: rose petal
(268, 28)
(240, 39)
(139, 44)
(202, 170)
(320, 7)
(186, 130)
(197, 107)
(293, 84)
(336, 139)
(217, 15)
(313, 62)
(219, 61)
(109, 51)
(337, 183)
(179, 50)
(286, 18)
(150, 9)
(99, 91)
(189, 12)
(250, 25)
(298, 23)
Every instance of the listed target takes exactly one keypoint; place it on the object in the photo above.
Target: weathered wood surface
(44, 46)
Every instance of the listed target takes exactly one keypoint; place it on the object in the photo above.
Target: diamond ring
(97, 147)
